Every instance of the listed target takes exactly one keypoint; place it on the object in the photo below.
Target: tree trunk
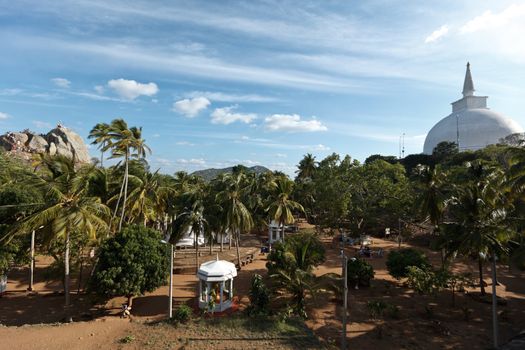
(196, 235)
(101, 159)
(118, 201)
(66, 279)
(481, 282)
(230, 240)
(80, 270)
(494, 303)
(222, 241)
(238, 251)
(125, 191)
(211, 244)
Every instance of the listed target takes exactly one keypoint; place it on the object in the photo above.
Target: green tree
(68, 207)
(307, 167)
(282, 206)
(131, 263)
(237, 218)
(291, 264)
(100, 134)
(124, 142)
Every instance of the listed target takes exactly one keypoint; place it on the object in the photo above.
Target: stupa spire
(468, 85)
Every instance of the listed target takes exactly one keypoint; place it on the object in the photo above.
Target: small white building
(216, 281)
(275, 232)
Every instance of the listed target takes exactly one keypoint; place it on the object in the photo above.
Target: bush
(359, 272)
(398, 261)
(259, 297)
(423, 281)
(302, 251)
(131, 263)
(183, 314)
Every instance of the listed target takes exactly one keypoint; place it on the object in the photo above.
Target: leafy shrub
(259, 296)
(300, 251)
(131, 263)
(423, 281)
(398, 261)
(376, 308)
(359, 272)
(127, 339)
(183, 314)
(291, 265)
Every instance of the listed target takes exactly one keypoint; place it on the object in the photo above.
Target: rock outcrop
(60, 140)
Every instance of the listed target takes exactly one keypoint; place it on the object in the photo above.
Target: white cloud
(489, 20)
(437, 34)
(99, 89)
(185, 143)
(4, 116)
(228, 97)
(281, 155)
(292, 123)
(192, 161)
(191, 107)
(10, 92)
(130, 89)
(61, 82)
(320, 147)
(226, 116)
(156, 135)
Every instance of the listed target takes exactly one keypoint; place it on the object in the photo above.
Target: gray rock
(52, 150)
(60, 140)
(76, 146)
(37, 144)
(14, 141)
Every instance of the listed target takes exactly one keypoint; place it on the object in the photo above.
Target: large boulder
(69, 143)
(60, 140)
(13, 141)
(37, 144)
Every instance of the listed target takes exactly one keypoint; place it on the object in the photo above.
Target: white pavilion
(216, 281)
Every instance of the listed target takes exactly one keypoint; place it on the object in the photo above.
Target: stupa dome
(471, 124)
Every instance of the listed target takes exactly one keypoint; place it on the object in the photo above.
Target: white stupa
(471, 125)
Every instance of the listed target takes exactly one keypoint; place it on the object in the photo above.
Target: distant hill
(210, 174)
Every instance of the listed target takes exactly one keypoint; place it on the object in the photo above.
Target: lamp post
(170, 303)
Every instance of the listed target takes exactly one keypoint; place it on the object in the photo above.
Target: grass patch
(127, 339)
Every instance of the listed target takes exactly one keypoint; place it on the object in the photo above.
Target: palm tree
(125, 142)
(147, 199)
(432, 197)
(282, 206)
(69, 208)
(237, 218)
(194, 220)
(480, 210)
(100, 134)
(307, 167)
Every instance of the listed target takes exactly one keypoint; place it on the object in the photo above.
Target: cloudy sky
(215, 83)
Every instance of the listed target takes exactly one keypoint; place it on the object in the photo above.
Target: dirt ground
(423, 322)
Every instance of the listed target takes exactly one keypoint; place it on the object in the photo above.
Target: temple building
(471, 124)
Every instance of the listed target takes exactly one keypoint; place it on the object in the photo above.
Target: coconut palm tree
(237, 218)
(194, 220)
(282, 206)
(479, 210)
(307, 167)
(125, 142)
(68, 209)
(100, 134)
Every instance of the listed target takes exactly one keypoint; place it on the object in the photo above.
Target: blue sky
(216, 83)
